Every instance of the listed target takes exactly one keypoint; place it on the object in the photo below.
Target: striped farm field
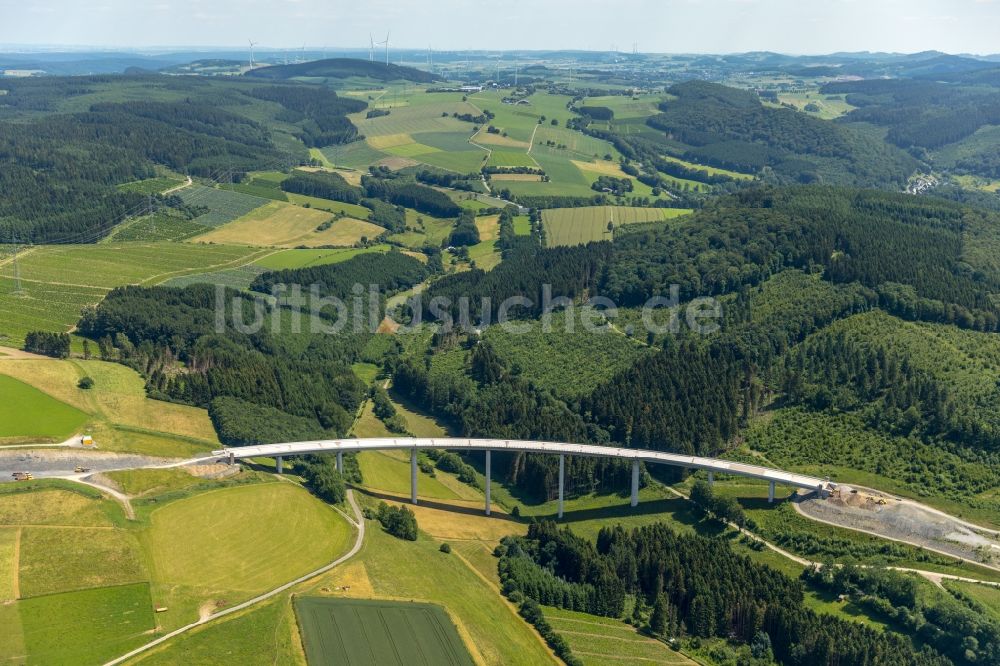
(576, 226)
(384, 632)
(598, 641)
(223, 205)
(57, 281)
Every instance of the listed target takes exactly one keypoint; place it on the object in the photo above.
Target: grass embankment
(115, 411)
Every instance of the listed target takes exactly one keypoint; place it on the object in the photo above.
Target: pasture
(712, 171)
(395, 632)
(264, 635)
(63, 559)
(422, 132)
(511, 158)
(208, 547)
(576, 226)
(597, 640)
(27, 413)
(83, 627)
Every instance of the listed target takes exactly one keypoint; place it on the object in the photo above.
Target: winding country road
(358, 522)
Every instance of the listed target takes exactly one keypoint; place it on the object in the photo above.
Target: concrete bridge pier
(340, 461)
(770, 492)
(711, 479)
(562, 482)
(277, 464)
(487, 482)
(413, 476)
(635, 483)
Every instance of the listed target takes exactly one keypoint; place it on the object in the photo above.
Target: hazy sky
(712, 26)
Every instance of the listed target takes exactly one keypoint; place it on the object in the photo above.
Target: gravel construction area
(893, 518)
(44, 463)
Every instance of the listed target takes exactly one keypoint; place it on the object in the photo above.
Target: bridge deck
(714, 465)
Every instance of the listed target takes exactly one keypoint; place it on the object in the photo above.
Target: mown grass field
(209, 548)
(576, 226)
(286, 225)
(393, 632)
(599, 640)
(27, 413)
(192, 546)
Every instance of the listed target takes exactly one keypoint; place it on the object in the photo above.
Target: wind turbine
(252, 44)
(386, 42)
(302, 54)
(371, 47)
(499, 58)
(430, 58)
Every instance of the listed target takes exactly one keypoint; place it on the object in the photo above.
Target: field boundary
(16, 563)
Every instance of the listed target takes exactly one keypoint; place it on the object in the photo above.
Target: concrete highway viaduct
(710, 465)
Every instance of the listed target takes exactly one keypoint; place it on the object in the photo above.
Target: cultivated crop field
(303, 258)
(570, 363)
(156, 227)
(152, 185)
(491, 629)
(576, 226)
(394, 632)
(223, 205)
(27, 413)
(237, 278)
(57, 281)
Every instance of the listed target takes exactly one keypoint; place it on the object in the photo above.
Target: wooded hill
(342, 68)
(58, 171)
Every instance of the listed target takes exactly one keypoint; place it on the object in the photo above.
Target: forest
(58, 171)
(695, 586)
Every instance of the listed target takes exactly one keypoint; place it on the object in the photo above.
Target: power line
(18, 291)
